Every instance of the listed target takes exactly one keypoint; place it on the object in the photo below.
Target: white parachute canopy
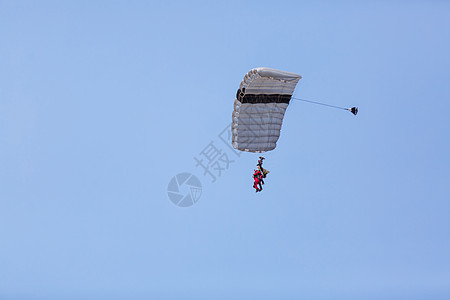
(261, 101)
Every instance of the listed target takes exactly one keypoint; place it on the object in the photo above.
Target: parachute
(259, 107)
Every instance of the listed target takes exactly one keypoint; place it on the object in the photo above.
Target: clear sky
(102, 103)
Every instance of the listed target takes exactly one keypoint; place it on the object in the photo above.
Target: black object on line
(353, 110)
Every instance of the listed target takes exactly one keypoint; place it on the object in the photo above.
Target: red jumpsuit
(257, 177)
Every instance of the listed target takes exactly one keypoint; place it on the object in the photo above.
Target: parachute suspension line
(353, 110)
(324, 104)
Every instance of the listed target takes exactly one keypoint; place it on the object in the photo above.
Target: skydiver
(258, 181)
(264, 172)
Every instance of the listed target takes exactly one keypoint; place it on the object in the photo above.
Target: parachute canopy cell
(259, 107)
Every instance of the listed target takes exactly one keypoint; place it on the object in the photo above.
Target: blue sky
(102, 103)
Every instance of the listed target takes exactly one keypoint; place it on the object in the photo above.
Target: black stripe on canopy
(262, 98)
